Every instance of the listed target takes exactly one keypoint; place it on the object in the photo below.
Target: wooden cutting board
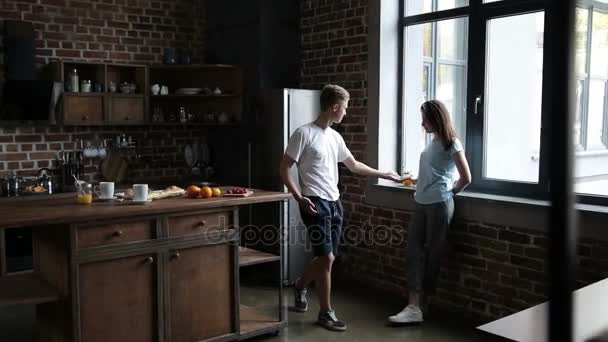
(114, 167)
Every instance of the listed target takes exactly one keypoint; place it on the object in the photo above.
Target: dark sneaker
(329, 321)
(300, 302)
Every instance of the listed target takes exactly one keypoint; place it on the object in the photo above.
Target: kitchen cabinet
(202, 288)
(108, 101)
(117, 299)
(167, 271)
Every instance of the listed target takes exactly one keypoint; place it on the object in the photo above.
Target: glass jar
(85, 192)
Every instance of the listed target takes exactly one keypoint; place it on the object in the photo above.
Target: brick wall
(158, 153)
(120, 31)
(489, 271)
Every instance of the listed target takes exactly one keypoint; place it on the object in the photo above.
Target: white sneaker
(411, 314)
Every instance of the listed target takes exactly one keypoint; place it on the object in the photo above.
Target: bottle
(74, 81)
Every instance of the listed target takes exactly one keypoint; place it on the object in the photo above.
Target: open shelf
(192, 66)
(83, 94)
(202, 96)
(26, 289)
(254, 323)
(248, 256)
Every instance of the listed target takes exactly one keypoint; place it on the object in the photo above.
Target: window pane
(448, 43)
(597, 91)
(429, 77)
(582, 23)
(599, 45)
(577, 140)
(451, 84)
(414, 7)
(513, 97)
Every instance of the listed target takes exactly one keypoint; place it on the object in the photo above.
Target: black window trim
(474, 127)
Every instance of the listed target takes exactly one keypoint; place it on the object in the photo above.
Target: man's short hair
(332, 94)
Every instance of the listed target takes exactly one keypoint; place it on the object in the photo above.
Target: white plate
(107, 199)
(188, 91)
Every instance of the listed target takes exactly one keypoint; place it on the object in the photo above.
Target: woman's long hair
(438, 116)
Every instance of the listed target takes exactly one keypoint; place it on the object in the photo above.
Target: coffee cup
(140, 192)
(105, 190)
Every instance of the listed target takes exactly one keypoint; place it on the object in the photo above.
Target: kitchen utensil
(114, 167)
(189, 155)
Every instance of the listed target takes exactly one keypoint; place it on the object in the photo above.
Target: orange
(216, 192)
(193, 191)
(408, 182)
(206, 192)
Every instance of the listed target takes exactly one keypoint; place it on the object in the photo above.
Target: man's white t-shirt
(317, 152)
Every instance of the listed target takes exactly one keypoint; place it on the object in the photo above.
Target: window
(591, 120)
(513, 93)
(484, 60)
(436, 68)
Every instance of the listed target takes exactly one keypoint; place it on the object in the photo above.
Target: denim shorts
(324, 228)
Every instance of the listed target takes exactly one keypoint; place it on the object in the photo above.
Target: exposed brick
(13, 156)
(28, 138)
(41, 155)
(94, 54)
(511, 236)
(68, 53)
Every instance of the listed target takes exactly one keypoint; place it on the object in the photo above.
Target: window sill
(491, 198)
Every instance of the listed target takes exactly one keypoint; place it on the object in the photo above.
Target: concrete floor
(364, 313)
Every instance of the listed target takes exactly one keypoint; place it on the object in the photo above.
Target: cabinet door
(202, 292)
(127, 109)
(118, 300)
(83, 109)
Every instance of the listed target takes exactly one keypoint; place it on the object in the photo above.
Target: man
(317, 149)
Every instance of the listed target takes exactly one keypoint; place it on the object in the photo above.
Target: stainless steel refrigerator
(283, 111)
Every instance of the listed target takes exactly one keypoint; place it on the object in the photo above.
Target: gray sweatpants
(426, 243)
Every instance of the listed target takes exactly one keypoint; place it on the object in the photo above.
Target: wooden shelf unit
(248, 256)
(255, 323)
(27, 288)
(228, 78)
(98, 108)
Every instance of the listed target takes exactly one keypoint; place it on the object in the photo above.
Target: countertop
(62, 208)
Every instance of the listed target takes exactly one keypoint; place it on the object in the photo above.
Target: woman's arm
(463, 169)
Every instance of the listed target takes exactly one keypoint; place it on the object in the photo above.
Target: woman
(435, 189)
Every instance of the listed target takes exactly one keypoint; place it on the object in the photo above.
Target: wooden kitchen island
(165, 271)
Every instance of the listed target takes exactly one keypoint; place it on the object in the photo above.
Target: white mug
(105, 190)
(140, 192)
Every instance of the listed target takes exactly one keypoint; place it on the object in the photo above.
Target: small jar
(112, 87)
(85, 86)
